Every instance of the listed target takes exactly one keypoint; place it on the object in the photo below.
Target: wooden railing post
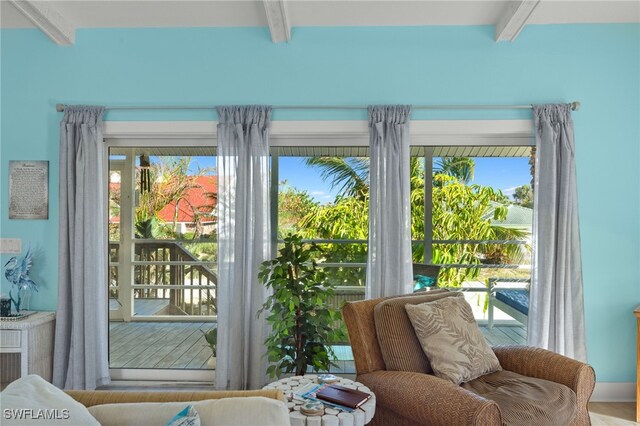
(159, 275)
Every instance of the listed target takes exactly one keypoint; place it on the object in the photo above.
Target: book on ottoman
(343, 396)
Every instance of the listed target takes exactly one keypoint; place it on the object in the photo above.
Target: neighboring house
(195, 209)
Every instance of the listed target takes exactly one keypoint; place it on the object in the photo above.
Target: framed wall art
(28, 189)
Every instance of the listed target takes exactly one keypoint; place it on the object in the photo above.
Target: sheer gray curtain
(81, 348)
(556, 312)
(389, 263)
(243, 243)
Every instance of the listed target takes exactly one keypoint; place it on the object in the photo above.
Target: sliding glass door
(162, 257)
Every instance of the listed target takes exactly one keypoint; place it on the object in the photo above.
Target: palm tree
(505, 253)
(450, 177)
(351, 175)
(461, 168)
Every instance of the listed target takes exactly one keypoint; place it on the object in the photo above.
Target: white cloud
(321, 195)
(509, 191)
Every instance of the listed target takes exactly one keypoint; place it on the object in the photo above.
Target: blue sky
(505, 174)
(502, 173)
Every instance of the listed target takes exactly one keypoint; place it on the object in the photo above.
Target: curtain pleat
(81, 346)
(556, 312)
(243, 244)
(389, 262)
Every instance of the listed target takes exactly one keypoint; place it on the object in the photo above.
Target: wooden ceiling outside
(332, 151)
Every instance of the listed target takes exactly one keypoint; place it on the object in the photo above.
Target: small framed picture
(28, 190)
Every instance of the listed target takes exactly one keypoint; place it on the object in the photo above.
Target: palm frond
(509, 253)
(461, 168)
(349, 175)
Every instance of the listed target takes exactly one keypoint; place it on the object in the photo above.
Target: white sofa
(33, 401)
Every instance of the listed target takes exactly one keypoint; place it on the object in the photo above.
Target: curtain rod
(575, 106)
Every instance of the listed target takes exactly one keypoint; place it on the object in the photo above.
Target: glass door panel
(162, 257)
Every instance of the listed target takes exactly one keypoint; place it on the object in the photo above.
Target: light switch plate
(10, 245)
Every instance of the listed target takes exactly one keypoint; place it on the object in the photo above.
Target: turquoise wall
(596, 64)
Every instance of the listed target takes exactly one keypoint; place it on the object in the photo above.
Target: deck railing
(349, 293)
(167, 270)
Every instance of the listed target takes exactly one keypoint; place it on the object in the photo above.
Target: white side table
(331, 417)
(32, 338)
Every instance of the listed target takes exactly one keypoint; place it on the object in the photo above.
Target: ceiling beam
(279, 25)
(514, 17)
(46, 17)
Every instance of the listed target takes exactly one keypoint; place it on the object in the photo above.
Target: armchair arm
(426, 399)
(544, 364)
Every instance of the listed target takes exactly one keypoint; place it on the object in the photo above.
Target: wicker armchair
(409, 398)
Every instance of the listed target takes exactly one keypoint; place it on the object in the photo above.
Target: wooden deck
(505, 335)
(171, 345)
(143, 306)
(175, 345)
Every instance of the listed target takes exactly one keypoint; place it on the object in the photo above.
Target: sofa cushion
(400, 348)
(246, 411)
(526, 400)
(451, 339)
(32, 400)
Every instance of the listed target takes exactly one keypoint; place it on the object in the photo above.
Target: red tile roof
(201, 198)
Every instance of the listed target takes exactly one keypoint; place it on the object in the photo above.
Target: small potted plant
(302, 325)
(211, 337)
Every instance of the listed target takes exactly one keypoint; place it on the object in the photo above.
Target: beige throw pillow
(400, 348)
(451, 339)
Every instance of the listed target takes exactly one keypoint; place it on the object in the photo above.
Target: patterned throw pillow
(451, 339)
(187, 417)
(400, 348)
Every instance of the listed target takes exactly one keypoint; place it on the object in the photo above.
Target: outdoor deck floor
(505, 335)
(180, 345)
(143, 306)
(175, 345)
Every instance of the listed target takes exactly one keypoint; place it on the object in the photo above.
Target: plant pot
(211, 363)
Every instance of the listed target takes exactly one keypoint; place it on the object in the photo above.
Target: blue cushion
(422, 282)
(518, 299)
(187, 417)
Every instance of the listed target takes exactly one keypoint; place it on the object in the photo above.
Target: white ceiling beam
(513, 19)
(279, 25)
(46, 17)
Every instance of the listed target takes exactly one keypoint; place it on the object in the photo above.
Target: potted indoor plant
(302, 325)
(211, 337)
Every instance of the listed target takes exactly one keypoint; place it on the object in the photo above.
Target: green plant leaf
(301, 323)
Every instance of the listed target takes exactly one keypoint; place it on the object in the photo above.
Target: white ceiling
(59, 20)
(243, 13)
